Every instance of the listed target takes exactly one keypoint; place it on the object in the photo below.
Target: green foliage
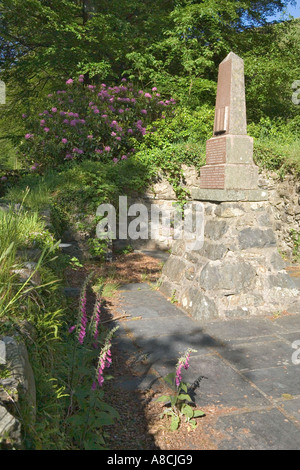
(186, 125)
(179, 403)
(176, 46)
(22, 228)
(89, 122)
(296, 241)
(87, 412)
(33, 191)
(276, 145)
(271, 68)
(176, 142)
(173, 298)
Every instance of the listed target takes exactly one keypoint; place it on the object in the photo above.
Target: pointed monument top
(230, 113)
(231, 55)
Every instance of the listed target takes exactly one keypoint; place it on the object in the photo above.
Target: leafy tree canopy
(173, 44)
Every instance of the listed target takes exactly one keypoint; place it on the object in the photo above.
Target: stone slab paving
(244, 365)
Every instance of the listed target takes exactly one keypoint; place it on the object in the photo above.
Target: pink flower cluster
(84, 318)
(82, 315)
(105, 361)
(96, 321)
(182, 363)
(89, 121)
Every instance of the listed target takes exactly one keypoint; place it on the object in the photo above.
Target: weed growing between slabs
(179, 403)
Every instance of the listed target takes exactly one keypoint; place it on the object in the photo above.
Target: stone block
(256, 238)
(229, 210)
(281, 280)
(10, 429)
(215, 229)
(222, 195)
(199, 305)
(175, 268)
(277, 262)
(264, 220)
(212, 251)
(228, 276)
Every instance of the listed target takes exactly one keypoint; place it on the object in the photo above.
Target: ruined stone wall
(238, 271)
(284, 201)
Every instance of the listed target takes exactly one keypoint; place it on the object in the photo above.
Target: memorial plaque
(213, 177)
(221, 120)
(216, 151)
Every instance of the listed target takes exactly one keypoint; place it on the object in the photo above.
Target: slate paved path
(243, 364)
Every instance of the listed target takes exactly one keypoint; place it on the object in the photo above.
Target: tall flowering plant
(179, 403)
(91, 355)
(82, 318)
(88, 331)
(104, 360)
(84, 121)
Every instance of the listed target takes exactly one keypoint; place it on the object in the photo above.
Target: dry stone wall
(284, 201)
(238, 271)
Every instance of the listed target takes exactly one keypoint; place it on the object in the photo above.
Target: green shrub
(184, 126)
(87, 122)
(276, 144)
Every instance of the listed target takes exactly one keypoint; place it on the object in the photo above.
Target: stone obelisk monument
(229, 153)
(238, 271)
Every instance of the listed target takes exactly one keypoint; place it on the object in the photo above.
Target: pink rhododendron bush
(91, 122)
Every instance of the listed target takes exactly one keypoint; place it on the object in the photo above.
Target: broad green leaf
(184, 396)
(76, 420)
(187, 410)
(101, 405)
(173, 401)
(170, 378)
(163, 398)
(193, 423)
(103, 419)
(198, 413)
(174, 423)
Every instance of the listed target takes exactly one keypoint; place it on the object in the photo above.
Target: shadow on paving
(131, 431)
(243, 365)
